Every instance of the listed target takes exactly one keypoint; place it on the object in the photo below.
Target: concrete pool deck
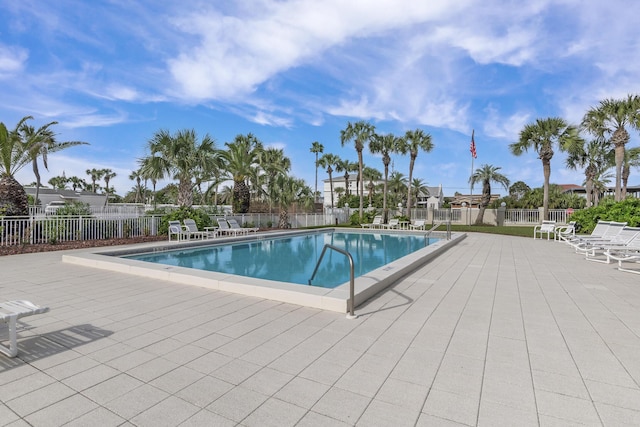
(499, 331)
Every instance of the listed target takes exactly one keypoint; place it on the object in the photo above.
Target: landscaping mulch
(47, 247)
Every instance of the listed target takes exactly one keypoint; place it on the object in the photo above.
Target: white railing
(129, 210)
(522, 216)
(53, 229)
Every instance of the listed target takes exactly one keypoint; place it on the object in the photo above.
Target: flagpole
(472, 149)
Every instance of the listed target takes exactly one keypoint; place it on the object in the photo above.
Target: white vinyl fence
(53, 229)
(110, 225)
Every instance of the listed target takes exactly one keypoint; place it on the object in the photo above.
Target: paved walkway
(498, 331)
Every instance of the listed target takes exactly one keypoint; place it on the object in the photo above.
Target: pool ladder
(350, 303)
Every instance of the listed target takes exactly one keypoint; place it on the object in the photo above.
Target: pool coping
(335, 299)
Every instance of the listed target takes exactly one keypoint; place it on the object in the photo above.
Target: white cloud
(12, 59)
(237, 53)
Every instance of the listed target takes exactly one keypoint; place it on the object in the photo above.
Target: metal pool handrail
(350, 304)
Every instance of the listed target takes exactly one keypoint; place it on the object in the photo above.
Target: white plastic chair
(10, 312)
(547, 227)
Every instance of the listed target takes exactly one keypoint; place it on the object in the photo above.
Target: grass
(522, 231)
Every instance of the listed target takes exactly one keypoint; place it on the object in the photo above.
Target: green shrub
(627, 211)
(74, 209)
(367, 218)
(198, 215)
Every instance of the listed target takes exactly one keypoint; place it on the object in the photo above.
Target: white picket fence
(40, 228)
(53, 229)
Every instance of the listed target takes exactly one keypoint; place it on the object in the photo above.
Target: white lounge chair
(565, 232)
(191, 228)
(625, 248)
(418, 224)
(376, 223)
(629, 253)
(392, 224)
(225, 228)
(598, 231)
(10, 312)
(547, 227)
(609, 234)
(235, 226)
(622, 240)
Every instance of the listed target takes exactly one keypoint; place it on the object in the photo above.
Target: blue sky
(292, 72)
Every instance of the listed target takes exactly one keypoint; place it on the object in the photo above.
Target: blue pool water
(292, 259)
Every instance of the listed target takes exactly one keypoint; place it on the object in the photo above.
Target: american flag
(472, 147)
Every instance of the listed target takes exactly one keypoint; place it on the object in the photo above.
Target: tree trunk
(284, 219)
(619, 152)
(626, 171)
(385, 213)
(484, 202)
(589, 173)
(360, 162)
(411, 163)
(330, 185)
(546, 168)
(13, 198)
(240, 201)
(185, 194)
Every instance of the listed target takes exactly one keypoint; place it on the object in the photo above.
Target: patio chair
(225, 228)
(191, 229)
(609, 234)
(625, 242)
(394, 223)
(547, 227)
(10, 312)
(376, 223)
(176, 229)
(235, 226)
(629, 253)
(598, 231)
(565, 232)
(418, 224)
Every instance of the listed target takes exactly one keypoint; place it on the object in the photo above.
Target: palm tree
(371, 174)
(58, 182)
(594, 156)
(96, 175)
(631, 159)
(107, 174)
(418, 187)
(601, 181)
(360, 132)
(346, 166)
(289, 190)
(397, 186)
(316, 148)
(137, 177)
(240, 156)
(541, 136)
(14, 155)
(179, 156)
(42, 142)
(610, 119)
(385, 145)
(412, 143)
(273, 162)
(486, 174)
(77, 183)
(328, 161)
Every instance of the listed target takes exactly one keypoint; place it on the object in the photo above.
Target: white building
(433, 198)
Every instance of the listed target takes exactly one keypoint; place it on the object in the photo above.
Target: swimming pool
(292, 259)
(335, 299)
